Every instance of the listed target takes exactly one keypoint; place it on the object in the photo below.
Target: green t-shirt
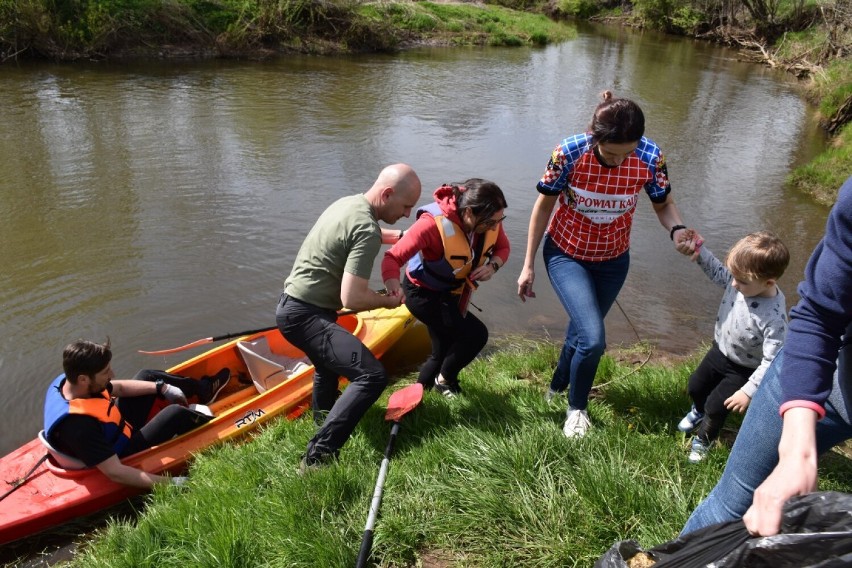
(346, 237)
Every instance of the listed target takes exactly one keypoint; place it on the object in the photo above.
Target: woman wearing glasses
(456, 242)
(596, 178)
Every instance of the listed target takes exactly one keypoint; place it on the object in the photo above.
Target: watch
(160, 383)
(493, 264)
(675, 228)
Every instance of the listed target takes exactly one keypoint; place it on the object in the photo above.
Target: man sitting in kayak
(98, 420)
(332, 270)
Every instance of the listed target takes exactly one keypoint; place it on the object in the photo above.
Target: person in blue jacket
(98, 420)
(803, 408)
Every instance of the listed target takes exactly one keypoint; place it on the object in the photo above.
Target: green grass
(822, 177)
(469, 24)
(105, 28)
(486, 479)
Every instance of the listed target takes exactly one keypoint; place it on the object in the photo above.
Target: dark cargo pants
(334, 352)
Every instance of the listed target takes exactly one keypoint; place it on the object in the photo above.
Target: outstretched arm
(538, 223)
(355, 294)
(392, 236)
(126, 475)
(133, 387)
(685, 240)
(795, 474)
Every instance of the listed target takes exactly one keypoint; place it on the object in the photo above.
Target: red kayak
(269, 378)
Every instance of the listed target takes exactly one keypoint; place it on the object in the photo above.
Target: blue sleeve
(819, 320)
(562, 162)
(659, 187)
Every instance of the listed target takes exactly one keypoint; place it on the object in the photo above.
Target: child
(750, 328)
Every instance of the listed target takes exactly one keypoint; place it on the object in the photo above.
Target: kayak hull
(52, 495)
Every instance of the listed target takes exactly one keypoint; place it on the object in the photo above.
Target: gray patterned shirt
(749, 331)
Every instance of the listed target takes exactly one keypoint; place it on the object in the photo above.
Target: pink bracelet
(802, 404)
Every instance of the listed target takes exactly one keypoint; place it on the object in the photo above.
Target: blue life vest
(102, 407)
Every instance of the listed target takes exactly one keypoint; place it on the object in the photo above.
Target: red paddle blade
(403, 401)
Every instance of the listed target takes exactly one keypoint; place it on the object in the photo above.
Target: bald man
(332, 270)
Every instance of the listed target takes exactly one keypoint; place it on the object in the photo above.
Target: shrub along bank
(75, 29)
(810, 38)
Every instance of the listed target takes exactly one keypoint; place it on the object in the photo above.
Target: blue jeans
(755, 452)
(587, 291)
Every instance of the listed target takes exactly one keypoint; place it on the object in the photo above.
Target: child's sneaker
(698, 450)
(576, 423)
(449, 389)
(211, 386)
(691, 421)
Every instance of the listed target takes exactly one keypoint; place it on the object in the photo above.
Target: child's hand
(738, 402)
(689, 243)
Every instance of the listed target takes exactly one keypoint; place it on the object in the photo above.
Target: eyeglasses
(491, 223)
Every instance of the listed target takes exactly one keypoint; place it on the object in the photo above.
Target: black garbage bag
(816, 532)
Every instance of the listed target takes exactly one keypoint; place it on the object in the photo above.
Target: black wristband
(160, 383)
(494, 265)
(675, 228)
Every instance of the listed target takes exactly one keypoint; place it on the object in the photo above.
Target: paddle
(207, 340)
(400, 403)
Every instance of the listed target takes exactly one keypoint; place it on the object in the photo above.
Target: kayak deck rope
(21, 480)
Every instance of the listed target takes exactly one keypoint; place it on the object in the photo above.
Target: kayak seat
(62, 460)
(268, 369)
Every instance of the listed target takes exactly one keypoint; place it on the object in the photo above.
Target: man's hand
(738, 402)
(174, 395)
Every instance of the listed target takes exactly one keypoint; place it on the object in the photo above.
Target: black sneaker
(313, 463)
(449, 389)
(210, 387)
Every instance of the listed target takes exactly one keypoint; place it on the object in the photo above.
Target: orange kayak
(266, 388)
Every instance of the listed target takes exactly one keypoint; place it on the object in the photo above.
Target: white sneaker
(576, 424)
(697, 451)
(691, 421)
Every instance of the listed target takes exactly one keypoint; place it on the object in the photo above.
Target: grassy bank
(99, 29)
(486, 479)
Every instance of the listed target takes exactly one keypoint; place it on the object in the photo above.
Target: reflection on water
(159, 203)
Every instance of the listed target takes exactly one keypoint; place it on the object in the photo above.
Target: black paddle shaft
(269, 328)
(367, 540)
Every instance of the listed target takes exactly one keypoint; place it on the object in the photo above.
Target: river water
(161, 202)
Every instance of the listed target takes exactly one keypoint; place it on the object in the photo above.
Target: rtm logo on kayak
(250, 417)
